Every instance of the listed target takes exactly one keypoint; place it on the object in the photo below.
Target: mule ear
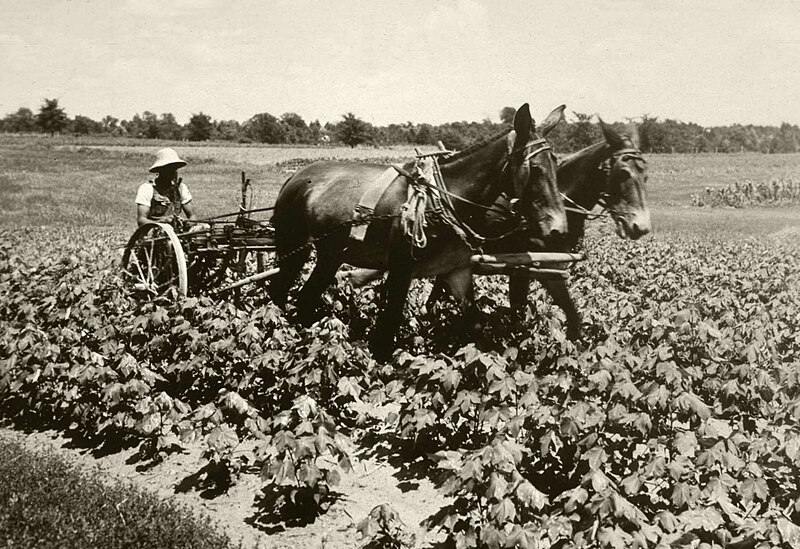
(552, 120)
(612, 137)
(523, 123)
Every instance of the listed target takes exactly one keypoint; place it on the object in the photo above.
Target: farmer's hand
(199, 228)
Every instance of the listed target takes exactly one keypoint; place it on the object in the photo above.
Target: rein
(581, 210)
(443, 203)
(442, 189)
(543, 145)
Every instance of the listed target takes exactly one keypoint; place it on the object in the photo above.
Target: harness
(442, 204)
(605, 167)
(433, 198)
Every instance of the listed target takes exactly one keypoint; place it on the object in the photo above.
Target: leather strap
(369, 200)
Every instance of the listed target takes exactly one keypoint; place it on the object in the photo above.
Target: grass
(47, 502)
(723, 223)
(71, 182)
(675, 177)
(49, 185)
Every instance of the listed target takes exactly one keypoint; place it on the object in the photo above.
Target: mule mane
(583, 153)
(472, 148)
(597, 149)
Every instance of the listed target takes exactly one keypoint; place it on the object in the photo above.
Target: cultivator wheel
(154, 263)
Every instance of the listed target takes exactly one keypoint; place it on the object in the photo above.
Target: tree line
(656, 136)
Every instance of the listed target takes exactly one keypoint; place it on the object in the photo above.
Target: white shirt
(144, 195)
(159, 204)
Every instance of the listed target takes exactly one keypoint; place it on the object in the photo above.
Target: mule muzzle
(633, 226)
(553, 225)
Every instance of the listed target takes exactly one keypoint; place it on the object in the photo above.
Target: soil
(373, 481)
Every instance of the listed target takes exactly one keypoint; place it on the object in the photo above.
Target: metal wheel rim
(143, 269)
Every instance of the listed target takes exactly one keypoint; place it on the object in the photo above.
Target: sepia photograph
(408, 274)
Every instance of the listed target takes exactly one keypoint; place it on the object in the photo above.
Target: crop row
(778, 192)
(674, 419)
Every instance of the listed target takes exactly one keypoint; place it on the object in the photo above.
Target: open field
(672, 422)
(68, 183)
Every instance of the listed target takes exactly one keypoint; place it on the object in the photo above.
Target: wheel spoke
(155, 261)
(135, 257)
(150, 252)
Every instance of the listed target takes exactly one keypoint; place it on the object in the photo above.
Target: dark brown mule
(316, 206)
(613, 174)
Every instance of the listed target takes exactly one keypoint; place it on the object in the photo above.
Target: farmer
(154, 199)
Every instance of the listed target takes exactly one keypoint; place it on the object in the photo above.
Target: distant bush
(294, 164)
(47, 502)
(777, 192)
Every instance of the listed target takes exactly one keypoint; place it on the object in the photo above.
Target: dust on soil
(372, 482)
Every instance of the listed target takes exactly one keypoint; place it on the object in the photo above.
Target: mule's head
(532, 166)
(625, 195)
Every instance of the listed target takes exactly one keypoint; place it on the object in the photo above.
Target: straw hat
(166, 157)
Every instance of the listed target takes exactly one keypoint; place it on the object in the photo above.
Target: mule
(612, 173)
(316, 207)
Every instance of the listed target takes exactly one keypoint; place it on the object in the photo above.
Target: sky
(712, 62)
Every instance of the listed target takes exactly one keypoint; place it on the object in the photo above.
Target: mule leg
(361, 277)
(518, 286)
(393, 296)
(438, 292)
(460, 282)
(560, 293)
(281, 283)
(321, 277)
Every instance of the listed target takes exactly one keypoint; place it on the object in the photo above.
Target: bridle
(531, 149)
(606, 166)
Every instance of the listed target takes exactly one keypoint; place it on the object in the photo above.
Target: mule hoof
(382, 351)
(574, 333)
(307, 320)
(382, 357)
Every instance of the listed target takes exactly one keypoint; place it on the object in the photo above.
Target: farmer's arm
(188, 209)
(142, 214)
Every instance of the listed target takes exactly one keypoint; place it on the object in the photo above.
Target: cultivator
(229, 251)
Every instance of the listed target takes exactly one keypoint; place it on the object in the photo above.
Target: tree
(21, 121)
(200, 127)
(168, 127)
(265, 128)
(229, 130)
(507, 115)
(652, 135)
(145, 125)
(51, 117)
(315, 132)
(582, 132)
(452, 139)
(354, 131)
(110, 124)
(424, 135)
(83, 125)
(296, 128)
